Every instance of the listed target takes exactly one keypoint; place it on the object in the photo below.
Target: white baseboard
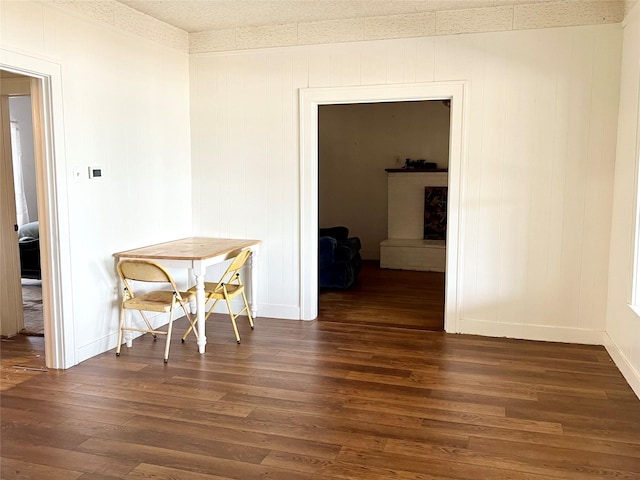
(555, 334)
(631, 375)
(543, 333)
(285, 312)
(97, 347)
(109, 341)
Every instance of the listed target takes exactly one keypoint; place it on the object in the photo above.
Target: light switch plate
(77, 173)
(96, 171)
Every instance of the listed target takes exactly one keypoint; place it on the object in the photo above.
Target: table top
(192, 248)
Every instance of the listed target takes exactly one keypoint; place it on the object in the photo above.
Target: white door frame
(310, 99)
(51, 182)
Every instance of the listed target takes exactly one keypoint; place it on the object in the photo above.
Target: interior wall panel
(536, 179)
(124, 102)
(623, 322)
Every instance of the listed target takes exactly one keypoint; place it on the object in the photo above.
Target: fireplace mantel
(405, 248)
(405, 208)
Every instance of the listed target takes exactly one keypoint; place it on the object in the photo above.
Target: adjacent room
(379, 163)
(23, 197)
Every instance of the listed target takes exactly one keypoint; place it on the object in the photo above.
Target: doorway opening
(26, 200)
(380, 165)
(310, 101)
(46, 96)
(22, 312)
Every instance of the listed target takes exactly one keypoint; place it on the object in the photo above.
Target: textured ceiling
(204, 15)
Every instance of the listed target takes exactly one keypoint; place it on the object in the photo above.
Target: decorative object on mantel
(422, 164)
(415, 170)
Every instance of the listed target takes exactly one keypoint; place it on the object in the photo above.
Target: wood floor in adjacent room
(388, 298)
(321, 400)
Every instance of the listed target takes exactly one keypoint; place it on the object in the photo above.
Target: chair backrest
(236, 264)
(143, 271)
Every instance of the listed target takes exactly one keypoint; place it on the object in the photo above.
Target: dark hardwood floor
(390, 298)
(321, 400)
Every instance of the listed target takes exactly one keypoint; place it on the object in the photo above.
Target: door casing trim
(309, 100)
(53, 210)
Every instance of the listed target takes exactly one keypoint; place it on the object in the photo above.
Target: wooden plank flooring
(322, 400)
(21, 358)
(393, 298)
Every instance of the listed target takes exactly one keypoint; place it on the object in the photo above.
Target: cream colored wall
(623, 324)
(124, 106)
(356, 143)
(537, 179)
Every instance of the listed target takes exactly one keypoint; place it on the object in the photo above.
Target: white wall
(357, 142)
(623, 324)
(537, 181)
(125, 106)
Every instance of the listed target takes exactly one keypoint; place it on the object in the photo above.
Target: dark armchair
(29, 245)
(339, 258)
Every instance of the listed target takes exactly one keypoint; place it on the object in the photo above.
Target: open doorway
(45, 80)
(23, 312)
(310, 100)
(376, 161)
(25, 190)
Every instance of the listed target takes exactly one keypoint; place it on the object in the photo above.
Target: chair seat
(156, 301)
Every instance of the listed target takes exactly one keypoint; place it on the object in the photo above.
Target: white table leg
(128, 334)
(253, 297)
(200, 304)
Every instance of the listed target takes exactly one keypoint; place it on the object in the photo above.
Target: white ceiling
(204, 15)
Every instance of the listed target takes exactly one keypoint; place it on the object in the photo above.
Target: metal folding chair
(228, 288)
(138, 273)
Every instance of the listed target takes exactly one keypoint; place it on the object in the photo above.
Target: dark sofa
(29, 245)
(339, 258)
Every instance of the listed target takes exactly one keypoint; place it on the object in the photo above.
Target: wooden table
(196, 254)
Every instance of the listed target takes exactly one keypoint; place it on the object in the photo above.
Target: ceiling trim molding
(522, 16)
(126, 18)
(562, 13)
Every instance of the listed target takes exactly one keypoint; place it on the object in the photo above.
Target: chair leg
(191, 327)
(233, 319)
(246, 304)
(208, 312)
(146, 320)
(192, 323)
(122, 314)
(128, 336)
